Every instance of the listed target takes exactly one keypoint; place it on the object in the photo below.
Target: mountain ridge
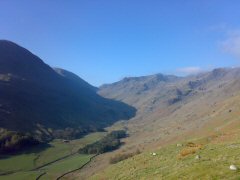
(185, 104)
(203, 106)
(53, 102)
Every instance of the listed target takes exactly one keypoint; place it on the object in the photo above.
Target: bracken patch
(190, 148)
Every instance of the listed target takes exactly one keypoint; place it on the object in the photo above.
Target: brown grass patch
(190, 148)
(120, 157)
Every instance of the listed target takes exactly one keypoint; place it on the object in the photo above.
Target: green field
(66, 165)
(174, 162)
(17, 163)
(21, 176)
(19, 166)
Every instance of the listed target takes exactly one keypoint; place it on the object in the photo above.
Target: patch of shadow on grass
(35, 149)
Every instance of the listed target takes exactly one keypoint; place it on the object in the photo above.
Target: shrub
(120, 157)
(11, 141)
(107, 143)
(190, 148)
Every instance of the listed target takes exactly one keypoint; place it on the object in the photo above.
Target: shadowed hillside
(50, 103)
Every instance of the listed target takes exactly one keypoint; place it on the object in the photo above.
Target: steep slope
(162, 100)
(171, 111)
(204, 158)
(147, 92)
(75, 79)
(150, 94)
(50, 103)
(204, 151)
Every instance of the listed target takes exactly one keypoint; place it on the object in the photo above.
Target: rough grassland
(216, 155)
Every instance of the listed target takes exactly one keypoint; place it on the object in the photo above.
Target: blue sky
(103, 41)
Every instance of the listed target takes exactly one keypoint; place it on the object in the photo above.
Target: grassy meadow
(26, 165)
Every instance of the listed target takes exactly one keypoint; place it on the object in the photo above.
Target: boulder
(198, 157)
(233, 168)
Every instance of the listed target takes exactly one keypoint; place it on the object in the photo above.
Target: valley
(119, 90)
(71, 133)
(213, 110)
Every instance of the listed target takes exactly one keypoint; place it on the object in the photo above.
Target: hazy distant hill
(151, 93)
(170, 106)
(50, 103)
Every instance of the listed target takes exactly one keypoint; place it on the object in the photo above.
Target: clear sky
(103, 41)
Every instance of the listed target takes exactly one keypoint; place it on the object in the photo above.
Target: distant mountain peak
(157, 77)
(219, 71)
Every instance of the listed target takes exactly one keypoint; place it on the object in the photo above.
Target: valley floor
(47, 162)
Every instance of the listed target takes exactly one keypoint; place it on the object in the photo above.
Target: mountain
(146, 92)
(184, 126)
(75, 79)
(150, 93)
(169, 106)
(47, 102)
(179, 119)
